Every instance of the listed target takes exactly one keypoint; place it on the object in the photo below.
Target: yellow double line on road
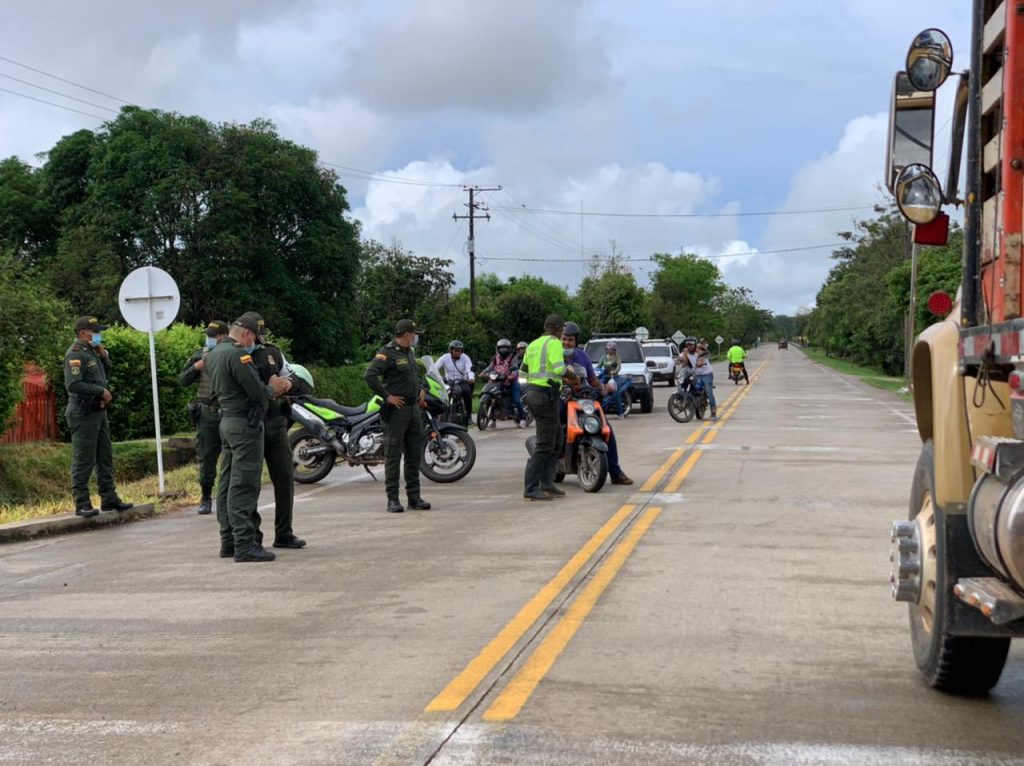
(511, 700)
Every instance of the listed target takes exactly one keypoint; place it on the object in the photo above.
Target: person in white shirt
(457, 369)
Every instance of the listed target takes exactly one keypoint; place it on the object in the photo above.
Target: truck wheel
(647, 403)
(958, 664)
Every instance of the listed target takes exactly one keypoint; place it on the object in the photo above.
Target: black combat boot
(86, 511)
(117, 505)
(394, 506)
(205, 504)
(255, 553)
(418, 504)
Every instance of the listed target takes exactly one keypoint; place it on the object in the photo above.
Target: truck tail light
(940, 303)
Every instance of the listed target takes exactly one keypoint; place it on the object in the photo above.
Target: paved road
(731, 607)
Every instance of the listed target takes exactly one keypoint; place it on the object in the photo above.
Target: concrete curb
(68, 522)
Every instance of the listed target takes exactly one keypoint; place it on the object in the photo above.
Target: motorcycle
(496, 402)
(623, 386)
(332, 433)
(690, 399)
(735, 373)
(586, 439)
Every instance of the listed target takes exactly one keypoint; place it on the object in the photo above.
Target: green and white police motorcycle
(331, 433)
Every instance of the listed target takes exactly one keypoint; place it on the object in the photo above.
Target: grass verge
(869, 375)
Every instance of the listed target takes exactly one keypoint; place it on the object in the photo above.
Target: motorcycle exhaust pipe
(318, 426)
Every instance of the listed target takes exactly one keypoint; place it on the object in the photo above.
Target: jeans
(516, 392)
(709, 386)
(614, 469)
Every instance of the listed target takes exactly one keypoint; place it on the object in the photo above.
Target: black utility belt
(239, 415)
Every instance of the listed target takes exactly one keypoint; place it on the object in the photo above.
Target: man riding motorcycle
(695, 356)
(736, 355)
(611, 364)
(504, 363)
(577, 356)
(457, 369)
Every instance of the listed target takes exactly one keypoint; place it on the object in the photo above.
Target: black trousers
(543, 463)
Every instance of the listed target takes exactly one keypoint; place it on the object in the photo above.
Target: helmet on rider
(504, 348)
(610, 346)
(521, 345)
(690, 341)
(455, 345)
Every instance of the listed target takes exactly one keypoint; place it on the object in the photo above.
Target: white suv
(634, 365)
(665, 355)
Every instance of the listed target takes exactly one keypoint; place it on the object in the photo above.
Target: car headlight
(591, 424)
(638, 378)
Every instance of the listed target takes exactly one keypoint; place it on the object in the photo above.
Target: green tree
(740, 316)
(241, 218)
(684, 291)
(610, 300)
(523, 305)
(394, 284)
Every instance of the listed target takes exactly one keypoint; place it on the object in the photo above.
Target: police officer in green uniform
(86, 364)
(543, 367)
(277, 454)
(392, 375)
(243, 404)
(206, 413)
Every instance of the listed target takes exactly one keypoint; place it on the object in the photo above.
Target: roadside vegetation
(870, 375)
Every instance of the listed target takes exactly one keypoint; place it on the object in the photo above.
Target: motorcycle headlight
(587, 407)
(591, 424)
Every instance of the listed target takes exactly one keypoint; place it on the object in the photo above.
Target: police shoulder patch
(382, 357)
(245, 359)
(75, 362)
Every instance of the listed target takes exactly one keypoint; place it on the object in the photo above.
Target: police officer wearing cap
(86, 365)
(542, 369)
(205, 413)
(243, 401)
(270, 361)
(392, 375)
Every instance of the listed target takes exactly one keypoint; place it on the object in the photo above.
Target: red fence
(35, 417)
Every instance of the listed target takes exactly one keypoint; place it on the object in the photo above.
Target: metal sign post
(149, 301)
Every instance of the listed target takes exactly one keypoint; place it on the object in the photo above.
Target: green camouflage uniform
(393, 372)
(85, 377)
(243, 404)
(276, 453)
(208, 425)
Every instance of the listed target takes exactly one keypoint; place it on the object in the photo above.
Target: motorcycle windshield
(434, 381)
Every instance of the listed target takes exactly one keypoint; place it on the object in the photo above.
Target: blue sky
(649, 107)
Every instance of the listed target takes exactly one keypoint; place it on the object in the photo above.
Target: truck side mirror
(911, 128)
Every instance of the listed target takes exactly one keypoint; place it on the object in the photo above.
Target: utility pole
(476, 210)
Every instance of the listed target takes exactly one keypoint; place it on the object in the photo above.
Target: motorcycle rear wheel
(449, 457)
(681, 408)
(483, 414)
(310, 468)
(593, 469)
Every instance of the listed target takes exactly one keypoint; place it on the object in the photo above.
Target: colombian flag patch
(75, 362)
(245, 359)
(382, 357)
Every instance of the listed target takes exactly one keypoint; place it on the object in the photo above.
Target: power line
(558, 234)
(651, 260)
(58, 93)
(51, 103)
(688, 215)
(371, 175)
(69, 82)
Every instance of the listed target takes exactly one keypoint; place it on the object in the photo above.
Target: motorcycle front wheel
(593, 469)
(312, 457)
(680, 407)
(449, 457)
(483, 413)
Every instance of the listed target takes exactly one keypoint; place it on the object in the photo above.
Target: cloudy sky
(715, 110)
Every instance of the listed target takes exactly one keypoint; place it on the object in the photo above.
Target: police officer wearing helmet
(270, 361)
(86, 365)
(205, 413)
(542, 369)
(243, 401)
(392, 375)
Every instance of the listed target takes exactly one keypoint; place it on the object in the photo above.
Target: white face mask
(415, 340)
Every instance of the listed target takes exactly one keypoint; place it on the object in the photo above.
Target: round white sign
(149, 299)
(641, 334)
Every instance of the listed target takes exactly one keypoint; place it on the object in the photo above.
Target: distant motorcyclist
(695, 357)
(504, 363)
(736, 355)
(457, 369)
(575, 355)
(520, 351)
(611, 364)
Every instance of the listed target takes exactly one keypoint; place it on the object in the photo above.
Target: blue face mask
(97, 338)
(250, 348)
(211, 342)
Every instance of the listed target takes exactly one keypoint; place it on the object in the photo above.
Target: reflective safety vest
(543, 363)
